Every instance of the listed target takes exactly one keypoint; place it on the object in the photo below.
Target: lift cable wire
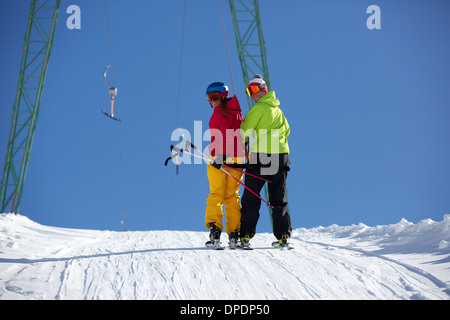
(122, 171)
(180, 72)
(179, 90)
(181, 64)
(226, 45)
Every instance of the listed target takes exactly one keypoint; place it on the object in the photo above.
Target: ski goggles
(213, 96)
(252, 90)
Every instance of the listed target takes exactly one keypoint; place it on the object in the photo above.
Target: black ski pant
(281, 221)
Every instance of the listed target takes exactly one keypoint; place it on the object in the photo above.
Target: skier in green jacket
(269, 154)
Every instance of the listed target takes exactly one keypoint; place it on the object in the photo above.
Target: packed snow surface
(398, 261)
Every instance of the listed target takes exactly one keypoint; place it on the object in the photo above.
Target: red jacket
(223, 140)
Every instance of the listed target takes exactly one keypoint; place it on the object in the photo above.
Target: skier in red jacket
(225, 147)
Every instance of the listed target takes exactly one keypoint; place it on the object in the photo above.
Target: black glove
(218, 163)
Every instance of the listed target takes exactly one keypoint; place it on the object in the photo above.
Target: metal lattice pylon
(250, 40)
(251, 46)
(35, 56)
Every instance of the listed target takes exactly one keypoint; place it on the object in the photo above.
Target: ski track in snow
(41, 262)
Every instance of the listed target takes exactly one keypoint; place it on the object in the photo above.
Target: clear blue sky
(369, 110)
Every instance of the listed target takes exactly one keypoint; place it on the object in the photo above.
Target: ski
(244, 246)
(214, 246)
(282, 246)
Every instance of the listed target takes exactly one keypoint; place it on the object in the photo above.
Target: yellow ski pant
(223, 191)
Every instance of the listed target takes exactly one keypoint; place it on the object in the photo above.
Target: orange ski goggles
(213, 96)
(252, 90)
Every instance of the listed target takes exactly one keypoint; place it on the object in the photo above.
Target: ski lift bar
(112, 93)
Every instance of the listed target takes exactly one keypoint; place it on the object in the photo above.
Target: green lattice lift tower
(250, 43)
(36, 52)
(249, 40)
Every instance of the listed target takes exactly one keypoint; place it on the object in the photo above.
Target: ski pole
(252, 175)
(247, 187)
(210, 160)
(188, 143)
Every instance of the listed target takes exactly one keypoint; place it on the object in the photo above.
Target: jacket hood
(270, 99)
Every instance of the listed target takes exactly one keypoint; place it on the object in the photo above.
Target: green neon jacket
(266, 122)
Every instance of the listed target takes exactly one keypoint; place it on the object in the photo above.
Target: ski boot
(214, 236)
(245, 243)
(282, 243)
(233, 240)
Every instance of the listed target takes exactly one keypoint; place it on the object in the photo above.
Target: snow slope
(399, 261)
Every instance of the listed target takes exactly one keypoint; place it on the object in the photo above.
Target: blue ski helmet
(218, 87)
